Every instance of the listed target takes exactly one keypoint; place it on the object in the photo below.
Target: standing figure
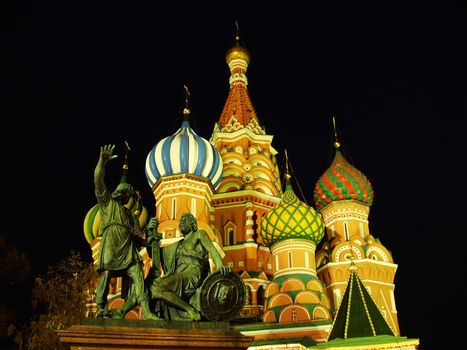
(186, 265)
(118, 255)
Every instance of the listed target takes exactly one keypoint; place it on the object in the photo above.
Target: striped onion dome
(342, 181)
(92, 221)
(184, 153)
(291, 218)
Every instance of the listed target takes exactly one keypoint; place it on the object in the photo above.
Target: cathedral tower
(183, 171)
(295, 295)
(344, 196)
(250, 184)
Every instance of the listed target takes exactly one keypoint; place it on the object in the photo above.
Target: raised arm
(209, 246)
(106, 154)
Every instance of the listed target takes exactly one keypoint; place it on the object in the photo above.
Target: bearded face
(123, 193)
(188, 223)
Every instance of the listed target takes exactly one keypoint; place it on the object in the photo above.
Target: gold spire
(186, 110)
(337, 144)
(237, 34)
(287, 173)
(127, 151)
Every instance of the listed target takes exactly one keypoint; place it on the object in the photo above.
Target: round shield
(222, 297)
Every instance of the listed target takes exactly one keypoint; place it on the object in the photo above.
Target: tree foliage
(14, 269)
(59, 300)
(15, 264)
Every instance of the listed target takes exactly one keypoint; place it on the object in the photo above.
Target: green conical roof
(358, 315)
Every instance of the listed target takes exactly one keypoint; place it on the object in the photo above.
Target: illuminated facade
(303, 268)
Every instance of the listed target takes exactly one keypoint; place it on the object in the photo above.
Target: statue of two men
(185, 263)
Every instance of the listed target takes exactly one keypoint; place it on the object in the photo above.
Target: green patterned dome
(291, 218)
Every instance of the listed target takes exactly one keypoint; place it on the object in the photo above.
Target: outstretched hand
(107, 153)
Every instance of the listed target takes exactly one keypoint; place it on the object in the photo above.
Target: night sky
(394, 76)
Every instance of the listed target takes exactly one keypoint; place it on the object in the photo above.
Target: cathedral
(315, 276)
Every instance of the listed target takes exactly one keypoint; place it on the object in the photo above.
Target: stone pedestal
(93, 334)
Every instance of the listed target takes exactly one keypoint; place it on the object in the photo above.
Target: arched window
(229, 236)
(230, 230)
(260, 296)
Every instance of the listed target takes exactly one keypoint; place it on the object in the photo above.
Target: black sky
(84, 75)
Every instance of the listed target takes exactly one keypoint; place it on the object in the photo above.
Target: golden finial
(127, 150)
(237, 33)
(186, 110)
(337, 144)
(287, 173)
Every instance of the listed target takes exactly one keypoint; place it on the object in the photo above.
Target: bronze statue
(186, 266)
(118, 255)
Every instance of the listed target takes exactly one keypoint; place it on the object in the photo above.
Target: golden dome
(237, 51)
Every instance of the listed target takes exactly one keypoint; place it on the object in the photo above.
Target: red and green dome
(291, 218)
(342, 181)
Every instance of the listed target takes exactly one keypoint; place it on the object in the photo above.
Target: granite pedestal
(93, 334)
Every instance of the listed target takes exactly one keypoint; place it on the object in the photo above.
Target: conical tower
(250, 184)
(359, 323)
(344, 196)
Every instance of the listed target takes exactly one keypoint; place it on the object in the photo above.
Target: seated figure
(186, 266)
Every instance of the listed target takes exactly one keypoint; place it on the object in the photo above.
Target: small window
(174, 208)
(346, 231)
(193, 206)
(229, 238)
(229, 233)
(294, 315)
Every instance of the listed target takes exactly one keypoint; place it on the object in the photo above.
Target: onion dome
(184, 153)
(237, 52)
(342, 181)
(291, 218)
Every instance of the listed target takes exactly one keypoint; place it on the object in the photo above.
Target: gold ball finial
(186, 110)
(337, 144)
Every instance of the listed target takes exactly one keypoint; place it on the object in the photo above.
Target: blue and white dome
(184, 153)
